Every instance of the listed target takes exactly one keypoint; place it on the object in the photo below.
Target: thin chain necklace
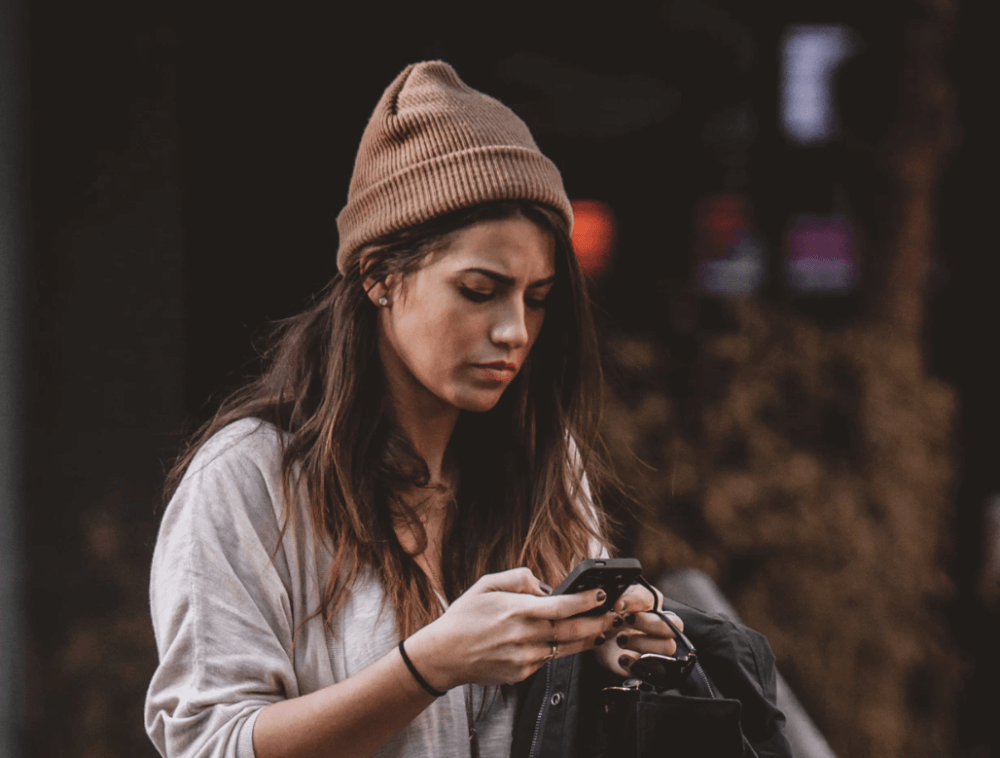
(469, 717)
(473, 735)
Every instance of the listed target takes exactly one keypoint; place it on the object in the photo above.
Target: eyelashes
(482, 297)
(476, 297)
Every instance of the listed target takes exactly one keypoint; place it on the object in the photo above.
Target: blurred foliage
(811, 474)
(812, 471)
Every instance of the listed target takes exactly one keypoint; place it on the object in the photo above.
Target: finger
(564, 648)
(563, 606)
(624, 662)
(643, 643)
(583, 628)
(520, 580)
(651, 623)
(635, 599)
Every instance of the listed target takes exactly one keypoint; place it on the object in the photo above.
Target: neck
(425, 419)
(429, 431)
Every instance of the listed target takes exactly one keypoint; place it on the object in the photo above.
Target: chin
(477, 402)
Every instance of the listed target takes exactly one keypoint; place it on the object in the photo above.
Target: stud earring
(383, 301)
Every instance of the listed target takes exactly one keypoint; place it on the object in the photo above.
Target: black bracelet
(416, 674)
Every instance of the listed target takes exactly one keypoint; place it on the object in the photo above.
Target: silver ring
(554, 644)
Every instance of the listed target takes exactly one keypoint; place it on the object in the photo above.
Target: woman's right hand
(500, 631)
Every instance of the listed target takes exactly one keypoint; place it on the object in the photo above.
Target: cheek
(436, 341)
(535, 322)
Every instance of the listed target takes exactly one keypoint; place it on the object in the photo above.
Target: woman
(355, 555)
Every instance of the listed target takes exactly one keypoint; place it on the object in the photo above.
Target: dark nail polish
(545, 588)
(624, 662)
(622, 640)
(601, 596)
(630, 618)
(600, 640)
(617, 622)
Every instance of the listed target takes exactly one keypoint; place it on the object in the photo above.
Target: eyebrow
(506, 280)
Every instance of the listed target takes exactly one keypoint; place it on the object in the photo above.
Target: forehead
(515, 247)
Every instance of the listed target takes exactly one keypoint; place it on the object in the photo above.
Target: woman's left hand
(639, 631)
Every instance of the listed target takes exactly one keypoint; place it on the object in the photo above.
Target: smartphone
(613, 575)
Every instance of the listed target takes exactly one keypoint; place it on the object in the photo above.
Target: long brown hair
(519, 502)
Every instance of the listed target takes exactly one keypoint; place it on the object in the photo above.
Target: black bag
(568, 711)
(668, 707)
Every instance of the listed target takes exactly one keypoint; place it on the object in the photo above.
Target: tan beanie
(435, 145)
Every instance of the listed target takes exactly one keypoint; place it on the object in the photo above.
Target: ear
(381, 288)
(375, 288)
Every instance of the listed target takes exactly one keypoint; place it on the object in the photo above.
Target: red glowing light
(593, 235)
(719, 220)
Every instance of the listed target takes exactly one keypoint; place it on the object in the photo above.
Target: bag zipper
(541, 711)
(705, 679)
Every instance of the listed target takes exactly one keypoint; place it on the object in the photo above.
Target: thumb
(520, 580)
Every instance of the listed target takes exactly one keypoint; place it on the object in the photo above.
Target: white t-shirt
(224, 614)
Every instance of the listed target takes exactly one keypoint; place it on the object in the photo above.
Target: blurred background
(783, 209)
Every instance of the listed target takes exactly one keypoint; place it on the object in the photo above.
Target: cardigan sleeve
(219, 601)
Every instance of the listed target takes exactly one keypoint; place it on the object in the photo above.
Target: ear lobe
(375, 290)
(378, 290)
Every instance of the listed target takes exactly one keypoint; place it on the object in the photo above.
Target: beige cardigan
(224, 614)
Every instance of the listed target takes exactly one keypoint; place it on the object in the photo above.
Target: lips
(500, 372)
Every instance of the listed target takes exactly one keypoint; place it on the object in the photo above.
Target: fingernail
(624, 662)
(545, 588)
(629, 618)
(601, 596)
(600, 640)
(622, 640)
(617, 622)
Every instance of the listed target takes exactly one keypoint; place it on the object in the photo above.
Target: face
(456, 332)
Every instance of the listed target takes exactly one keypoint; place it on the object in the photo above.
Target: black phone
(613, 575)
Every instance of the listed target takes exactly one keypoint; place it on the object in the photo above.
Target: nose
(511, 328)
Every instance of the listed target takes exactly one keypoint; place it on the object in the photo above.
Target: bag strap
(700, 684)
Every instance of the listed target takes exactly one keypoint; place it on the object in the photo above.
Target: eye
(540, 299)
(474, 296)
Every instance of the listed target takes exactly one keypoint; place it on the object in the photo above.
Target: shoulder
(244, 454)
(219, 558)
(249, 441)
(718, 635)
(234, 475)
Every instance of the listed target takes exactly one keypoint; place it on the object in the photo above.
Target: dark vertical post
(925, 135)
(13, 199)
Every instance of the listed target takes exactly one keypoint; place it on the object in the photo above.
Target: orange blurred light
(593, 235)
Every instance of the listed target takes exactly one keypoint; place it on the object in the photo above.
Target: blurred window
(820, 256)
(810, 56)
(729, 259)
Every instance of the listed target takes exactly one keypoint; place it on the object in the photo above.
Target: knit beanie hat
(435, 145)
